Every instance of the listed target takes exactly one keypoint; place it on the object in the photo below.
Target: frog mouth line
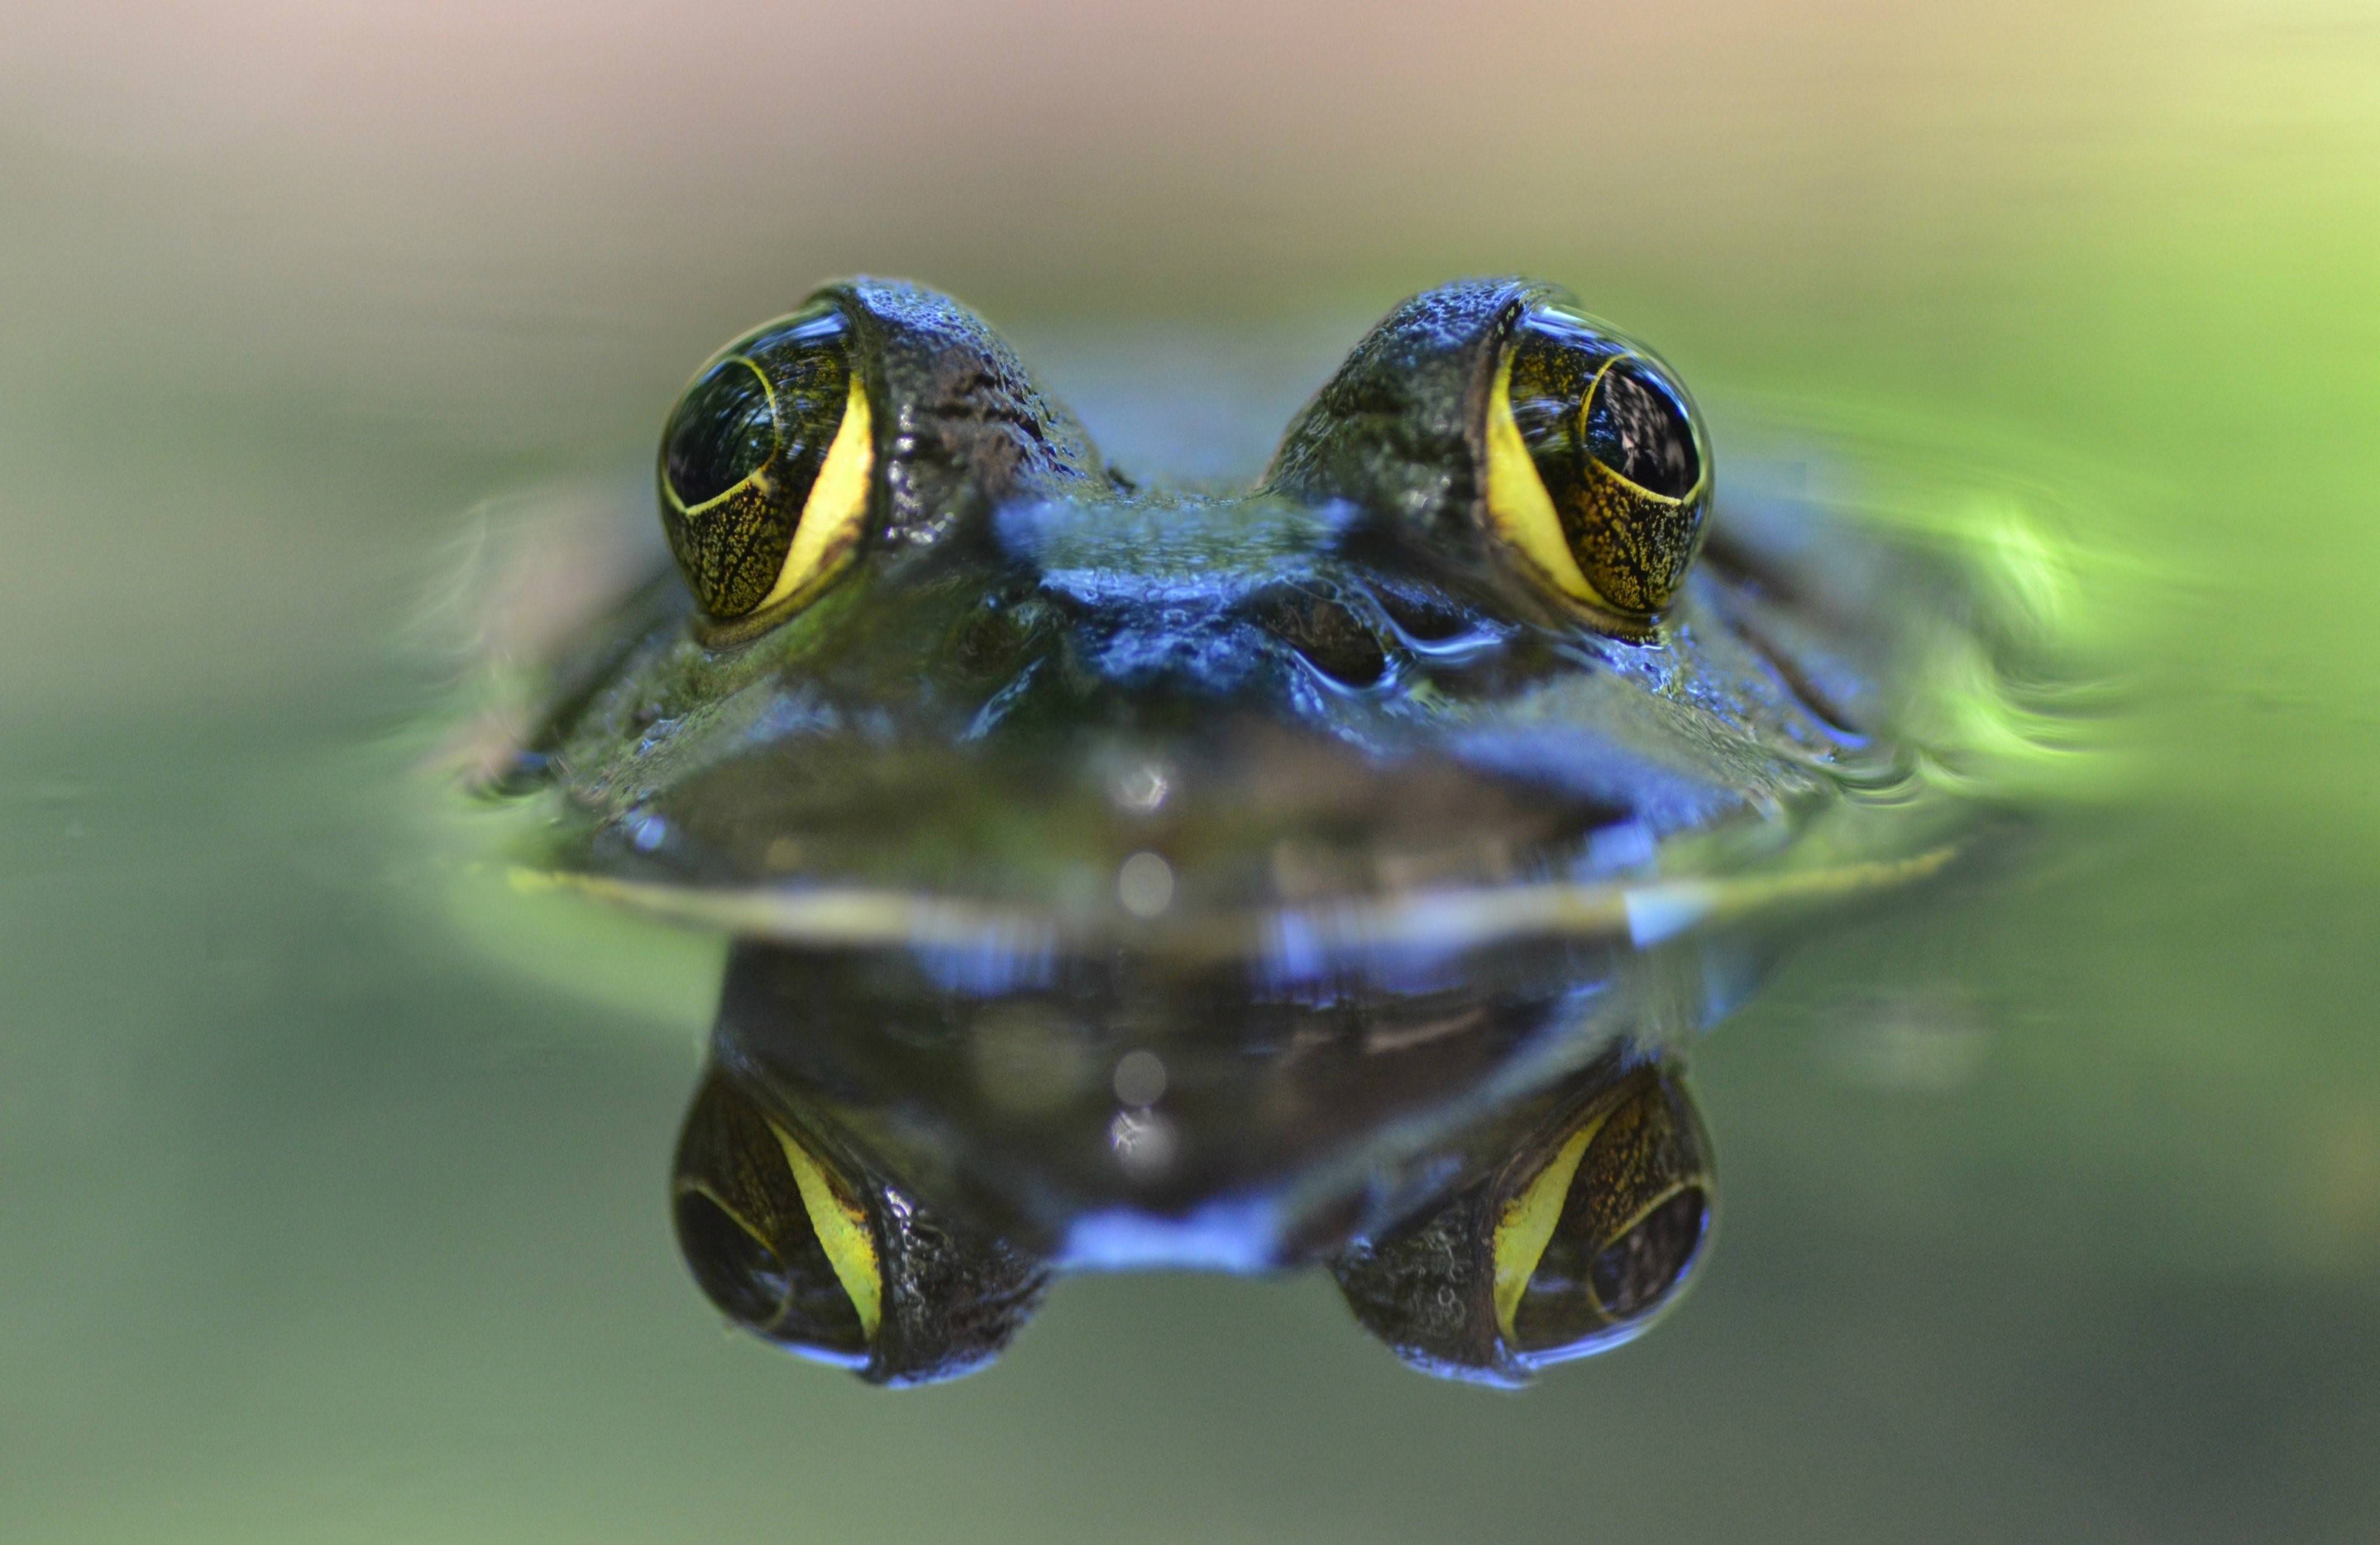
(1437, 924)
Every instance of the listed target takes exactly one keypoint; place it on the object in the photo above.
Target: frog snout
(1201, 593)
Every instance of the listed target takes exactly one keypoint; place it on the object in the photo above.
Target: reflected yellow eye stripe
(1519, 507)
(842, 1233)
(828, 531)
(1527, 1224)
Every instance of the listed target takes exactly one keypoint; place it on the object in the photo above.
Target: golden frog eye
(772, 1233)
(1588, 1251)
(765, 468)
(1599, 469)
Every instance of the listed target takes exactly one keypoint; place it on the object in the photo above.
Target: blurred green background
(317, 1226)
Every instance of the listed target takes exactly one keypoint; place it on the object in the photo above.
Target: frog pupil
(1638, 428)
(738, 1273)
(1643, 1264)
(724, 430)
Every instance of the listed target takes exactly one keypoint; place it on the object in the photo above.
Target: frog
(1127, 874)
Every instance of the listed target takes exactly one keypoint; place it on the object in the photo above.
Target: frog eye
(764, 468)
(773, 1235)
(1574, 1246)
(1602, 1239)
(1599, 470)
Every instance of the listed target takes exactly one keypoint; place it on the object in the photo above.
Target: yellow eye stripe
(1518, 505)
(843, 1232)
(828, 533)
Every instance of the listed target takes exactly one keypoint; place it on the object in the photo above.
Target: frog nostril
(1422, 617)
(1327, 635)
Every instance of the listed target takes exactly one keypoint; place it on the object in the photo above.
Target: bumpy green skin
(1334, 691)
(1401, 429)
(961, 425)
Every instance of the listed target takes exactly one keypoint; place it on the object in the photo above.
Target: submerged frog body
(1129, 877)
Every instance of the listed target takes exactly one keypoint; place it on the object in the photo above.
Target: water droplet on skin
(1139, 1079)
(1143, 1141)
(1145, 885)
(1142, 789)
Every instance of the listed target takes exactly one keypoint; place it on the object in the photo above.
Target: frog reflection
(891, 1187)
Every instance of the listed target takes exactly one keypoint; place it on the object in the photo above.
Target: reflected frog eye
(765, 468)
(1599, 470)
(1604, 1236)
(1574, 1246)
(772, 1233)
